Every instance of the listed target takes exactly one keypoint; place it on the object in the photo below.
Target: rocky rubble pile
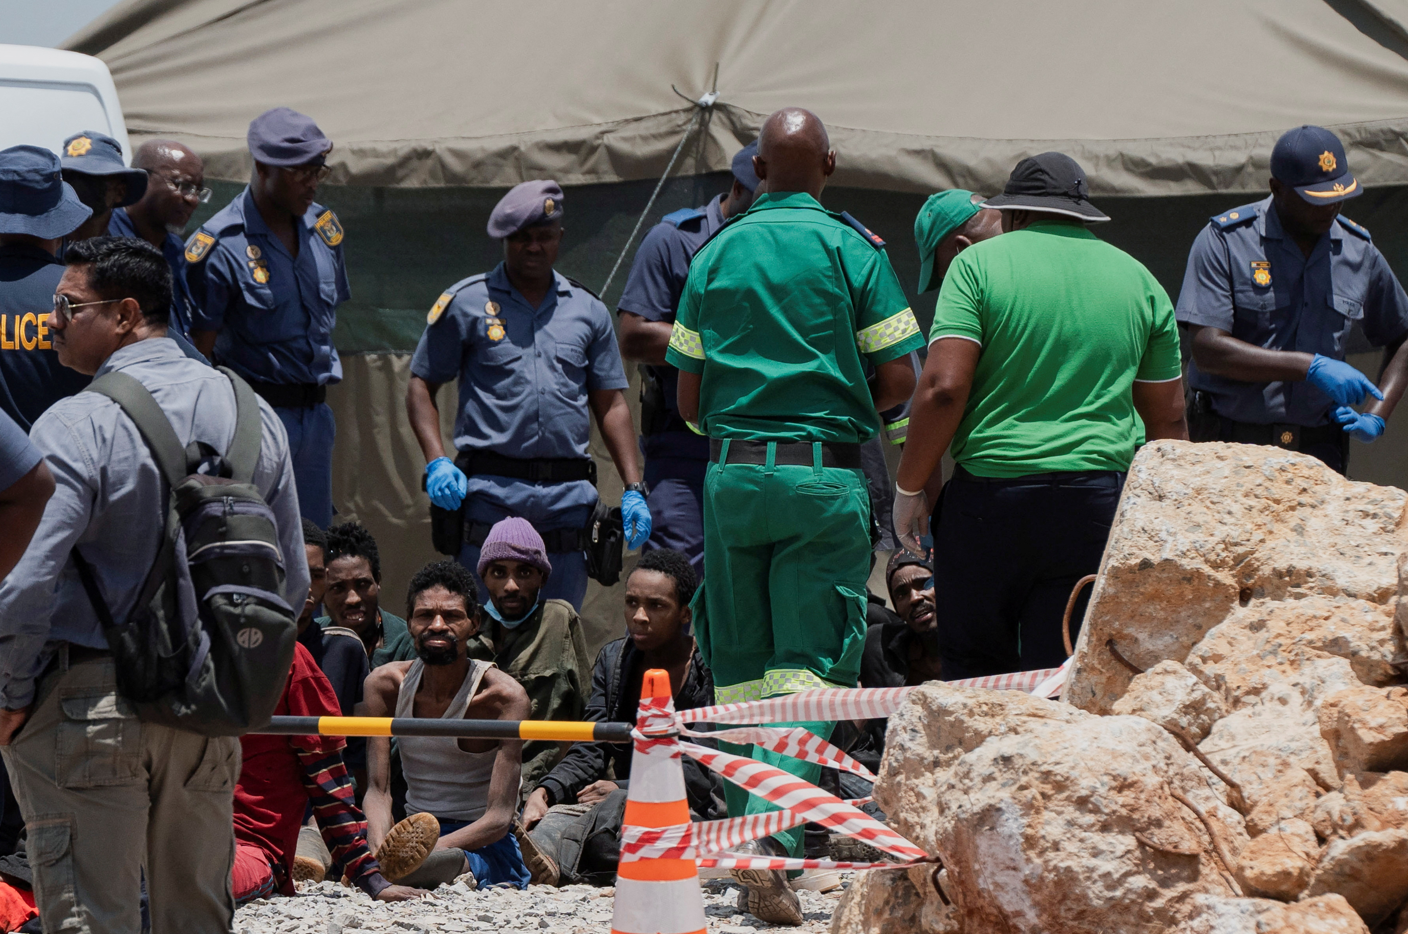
(1232, 751)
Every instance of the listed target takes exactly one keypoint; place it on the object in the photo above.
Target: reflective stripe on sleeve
(687, 342)
(887, 333)
(738, 693)
(897, 431)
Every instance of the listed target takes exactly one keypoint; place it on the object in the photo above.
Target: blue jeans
(499, 863)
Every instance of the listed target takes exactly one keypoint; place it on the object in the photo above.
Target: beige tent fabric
(1153, 99)
(377, 467)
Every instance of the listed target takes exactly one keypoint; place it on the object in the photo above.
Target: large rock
(1278, 864)
(1370, 870)
(1367, 728)
(1029, 802)
(1323, 914)
(1205, 529)
(1368, 801)
(1168, 694)
(889, 901)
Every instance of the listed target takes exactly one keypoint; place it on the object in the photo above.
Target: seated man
(908, 654)
(336, 651)
(469, 786)
(351, 598)
(539, 642)
(658, 620)
(280, 777)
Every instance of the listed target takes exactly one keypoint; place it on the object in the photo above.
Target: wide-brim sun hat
(1050, 182)
(34, 198)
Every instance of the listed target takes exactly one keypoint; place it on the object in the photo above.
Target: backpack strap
(243, 455)
(151, 421)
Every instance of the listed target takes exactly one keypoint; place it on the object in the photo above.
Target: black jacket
(587, 762)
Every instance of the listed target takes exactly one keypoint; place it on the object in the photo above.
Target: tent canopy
(1153, 99)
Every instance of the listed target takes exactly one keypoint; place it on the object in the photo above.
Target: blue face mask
(509, 623)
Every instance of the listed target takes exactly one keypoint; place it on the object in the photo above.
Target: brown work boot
(765, 894)
(541, 867)
(407, 845)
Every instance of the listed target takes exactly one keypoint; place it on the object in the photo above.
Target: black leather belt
(290, 395)
(788, 454)
(545, 470)
(554, 540)
(1290, 437)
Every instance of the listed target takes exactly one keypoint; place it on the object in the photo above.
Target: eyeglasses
(309, 173)
(185, 189)
(64, 308)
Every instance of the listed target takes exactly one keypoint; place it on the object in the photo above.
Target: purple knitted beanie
(514, 539)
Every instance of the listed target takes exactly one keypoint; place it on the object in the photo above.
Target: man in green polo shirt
(778, 311)
(1048, 348)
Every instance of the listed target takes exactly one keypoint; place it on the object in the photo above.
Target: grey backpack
(208, 646)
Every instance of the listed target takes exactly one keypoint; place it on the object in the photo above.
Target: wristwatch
(642, 488)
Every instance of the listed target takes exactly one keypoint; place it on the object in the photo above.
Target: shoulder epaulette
(684, 216)
(437, 310)
(1351, 225)
(871, 237)
(1229, 219)
(583, 287)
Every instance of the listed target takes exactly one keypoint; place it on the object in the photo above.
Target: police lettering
(30, 332)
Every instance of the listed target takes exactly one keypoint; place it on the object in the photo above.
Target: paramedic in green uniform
(782, 308)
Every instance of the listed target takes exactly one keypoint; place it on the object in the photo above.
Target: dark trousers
(1007, 554)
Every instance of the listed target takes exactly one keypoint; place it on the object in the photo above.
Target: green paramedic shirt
(778, 309)
(1067, 323)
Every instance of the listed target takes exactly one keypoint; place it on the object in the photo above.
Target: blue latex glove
(635, 516)
(1340, 381)
(1363, 426)
(445, 483)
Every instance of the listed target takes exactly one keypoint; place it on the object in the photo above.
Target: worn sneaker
(765, 894)
(308, 869)
(817, 880)
(311, 859)
(407, 845)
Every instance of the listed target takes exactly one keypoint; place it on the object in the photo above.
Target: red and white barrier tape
(797, 742)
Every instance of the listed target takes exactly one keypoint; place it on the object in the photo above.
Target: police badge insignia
(252, 251)
(438, 308)
(259, 271)
(1261, 273)
(495, 332)
(1327, 161)
(549, 206)
(491, 308)
(328, 228)
(79, 147)
(198, 246)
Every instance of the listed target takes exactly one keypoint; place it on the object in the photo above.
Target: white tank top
(441, 778)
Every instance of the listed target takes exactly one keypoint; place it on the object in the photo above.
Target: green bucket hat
(940, 216)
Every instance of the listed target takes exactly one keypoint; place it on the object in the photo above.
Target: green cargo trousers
(782, 609)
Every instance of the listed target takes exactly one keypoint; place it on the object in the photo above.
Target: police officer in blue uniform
(267, 274)
(93, 166)
(534, 351)
(1270, 296)
(37, 209)
(675, 457)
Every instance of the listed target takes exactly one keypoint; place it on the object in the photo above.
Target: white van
(47, 95)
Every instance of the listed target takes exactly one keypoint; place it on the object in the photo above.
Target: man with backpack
(109, 749)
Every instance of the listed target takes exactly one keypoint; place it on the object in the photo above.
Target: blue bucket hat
(90, 153)
(34, 198)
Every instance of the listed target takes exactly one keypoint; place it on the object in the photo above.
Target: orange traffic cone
(657, 896)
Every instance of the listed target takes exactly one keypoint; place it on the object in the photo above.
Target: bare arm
(424, 414)
(382, 685)
(613, 417)
(1218, 353)
(687, 396)
(1160, 405)
(508, 701)
(1393, 380)
(937, 408)
(21, 508)
(893, 383)
(644, 341)
(204, 341)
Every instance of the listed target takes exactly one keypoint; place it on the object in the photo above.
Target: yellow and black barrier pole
(562, 731)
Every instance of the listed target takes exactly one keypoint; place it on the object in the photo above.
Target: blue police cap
(283, 137)
(34, 198)
(526, 204)
(1311, 160)
(743, 166)
(90, 153)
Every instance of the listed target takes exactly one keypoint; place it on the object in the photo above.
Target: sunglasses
(63, 308)
(310, 173)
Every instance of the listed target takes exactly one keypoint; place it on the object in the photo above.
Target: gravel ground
(329, 908)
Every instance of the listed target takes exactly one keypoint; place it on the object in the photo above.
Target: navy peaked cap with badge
(743, 166)
(526, 204)
(34, 198)
(284, 137)
(1311, 160)
(90, 153)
